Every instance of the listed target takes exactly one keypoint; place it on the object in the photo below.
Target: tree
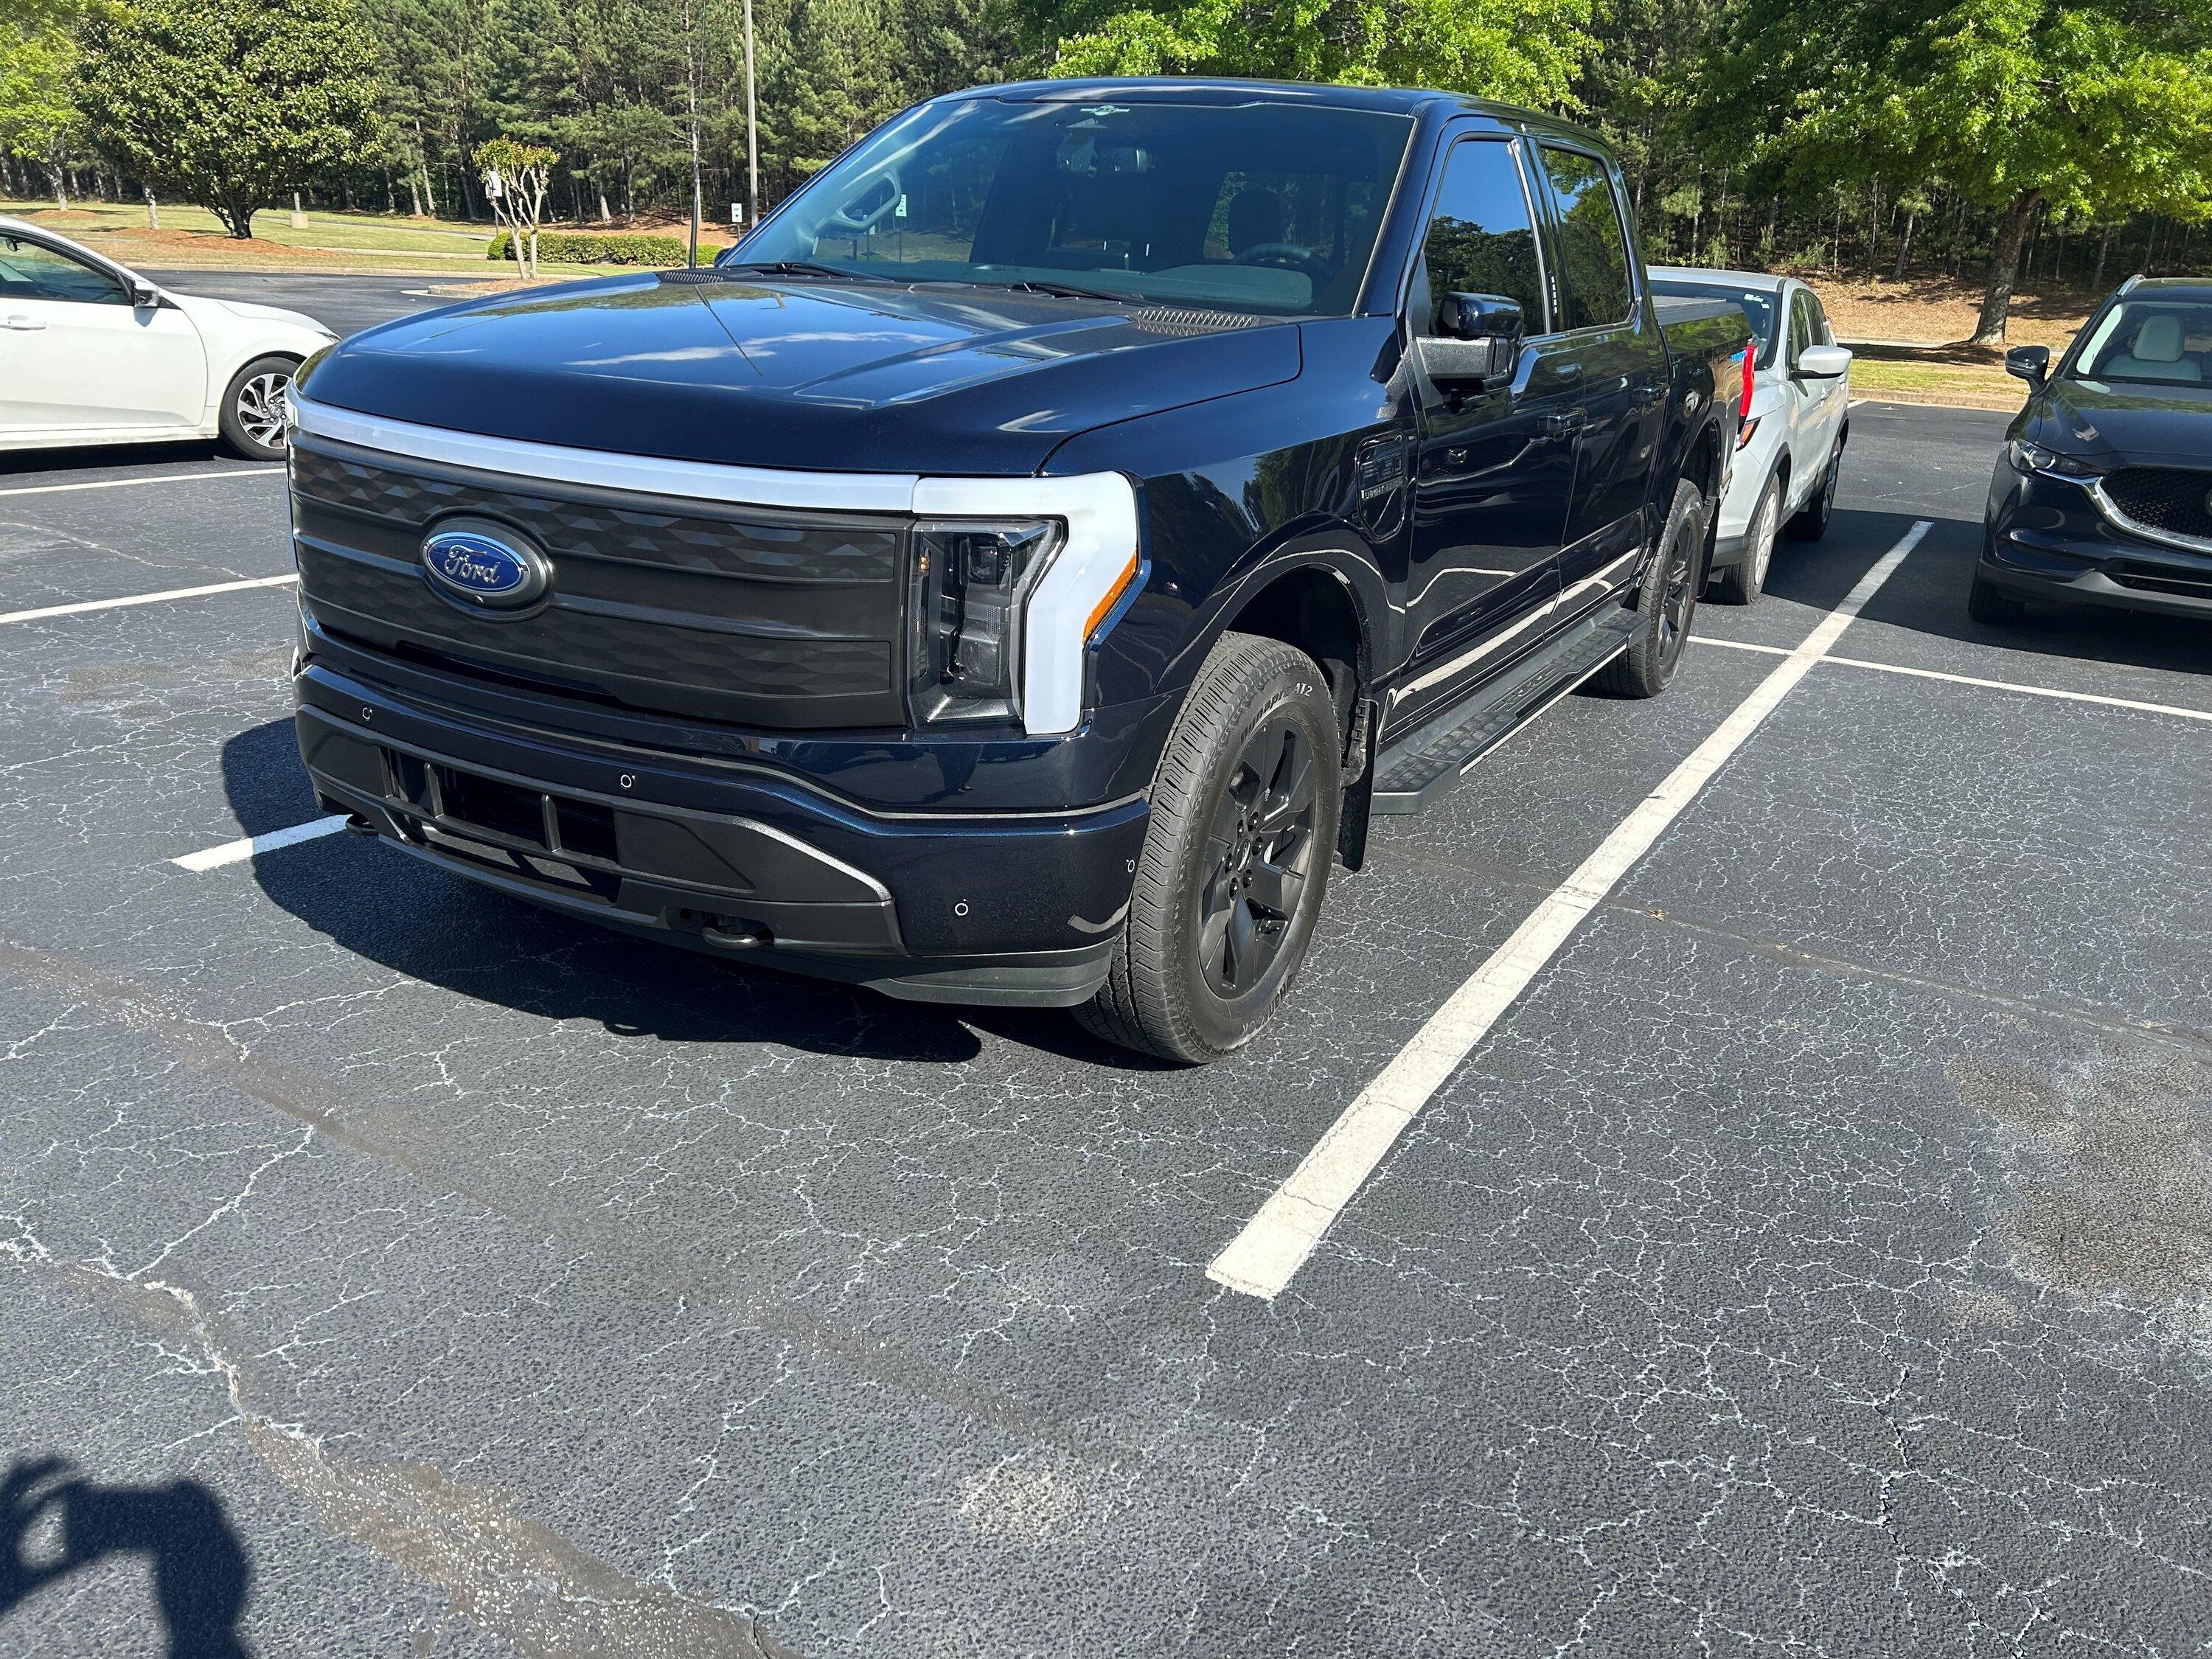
(514, 176)
(231, 103)
(38, 115)
(2088, 108)
(1525, 51)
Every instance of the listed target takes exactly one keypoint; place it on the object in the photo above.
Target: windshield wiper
(805, 268)
(1058, 290)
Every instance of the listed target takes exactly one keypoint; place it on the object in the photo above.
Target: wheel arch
(1312, 604)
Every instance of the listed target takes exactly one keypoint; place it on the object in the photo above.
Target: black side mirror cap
(2031, 363)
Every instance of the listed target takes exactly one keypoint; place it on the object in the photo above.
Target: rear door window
(1593, 245)
(1481, 238)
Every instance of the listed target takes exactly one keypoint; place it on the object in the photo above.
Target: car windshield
(1762, 306)
(1261, 208)
(2161, 341)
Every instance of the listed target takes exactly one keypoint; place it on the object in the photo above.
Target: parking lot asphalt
(1814, 1258)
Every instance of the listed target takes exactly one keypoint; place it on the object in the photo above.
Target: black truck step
(1427, 762)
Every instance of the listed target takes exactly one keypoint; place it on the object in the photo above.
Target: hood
(851, 377)
(2112, 422)
(246, 311)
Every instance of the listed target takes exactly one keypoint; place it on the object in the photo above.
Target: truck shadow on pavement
(53, 1523)
(445, 931)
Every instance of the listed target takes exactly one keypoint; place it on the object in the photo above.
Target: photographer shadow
(199, 1567)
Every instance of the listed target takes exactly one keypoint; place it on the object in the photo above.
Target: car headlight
(1011, 581)
(2034, 458)
(971, 581)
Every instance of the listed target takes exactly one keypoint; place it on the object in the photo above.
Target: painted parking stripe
(2135, 703)
(156, 478)
(1262, 1259)
(237, 851)
(85, 606)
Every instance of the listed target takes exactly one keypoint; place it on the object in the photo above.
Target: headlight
(1012, 581)
(2034, 458)
(971, 583)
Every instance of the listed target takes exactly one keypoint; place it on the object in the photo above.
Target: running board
(1425, 764)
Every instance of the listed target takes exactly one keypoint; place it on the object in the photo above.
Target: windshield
(2161, 341)
(1760, 306)
(1260, 207)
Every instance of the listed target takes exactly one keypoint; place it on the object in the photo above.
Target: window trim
(1630, 265)
(1514, 145)
(86, 259)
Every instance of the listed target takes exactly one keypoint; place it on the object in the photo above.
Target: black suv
(2104, 493)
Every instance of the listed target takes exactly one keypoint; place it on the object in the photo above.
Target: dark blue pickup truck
(1016, 571)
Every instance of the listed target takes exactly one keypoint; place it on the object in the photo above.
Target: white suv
(92, 352)
(1792, 441)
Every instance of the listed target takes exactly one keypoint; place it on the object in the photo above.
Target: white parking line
(2137, 704)
(159, 478)
(82, 606)
(237, 851)
(1262, 1259)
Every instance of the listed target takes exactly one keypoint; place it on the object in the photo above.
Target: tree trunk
(1904, 246)
(2004, 269)
(61, 187)
(152, 213)
(606, 213)
(2104, 247)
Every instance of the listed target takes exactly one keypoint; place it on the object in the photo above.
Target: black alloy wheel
(1262, 847)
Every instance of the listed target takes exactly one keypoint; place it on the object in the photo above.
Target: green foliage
(1524, 51)
(230, 103)
(39, 114)
(581, 248)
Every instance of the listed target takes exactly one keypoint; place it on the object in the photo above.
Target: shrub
(574, 247)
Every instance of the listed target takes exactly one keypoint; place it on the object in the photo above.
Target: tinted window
(1760, 306)
(1266, 208)
(1593, 250)
(31, 270)
(1480, 238)
(1801, 324)
(1824, 332)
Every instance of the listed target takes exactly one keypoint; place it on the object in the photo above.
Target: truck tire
(1740, 584)
(253, 416)
(1236, 859)
(1665, 604)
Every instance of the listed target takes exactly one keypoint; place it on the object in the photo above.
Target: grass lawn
(191, 237)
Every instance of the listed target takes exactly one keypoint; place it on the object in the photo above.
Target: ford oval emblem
(484, 565)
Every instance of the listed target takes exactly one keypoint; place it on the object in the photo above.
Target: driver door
(77, 357)
(1493, 468)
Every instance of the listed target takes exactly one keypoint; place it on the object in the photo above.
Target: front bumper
(2044, 539)
(736, 858)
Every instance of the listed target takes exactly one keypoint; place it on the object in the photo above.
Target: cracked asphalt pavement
(1815, 1259)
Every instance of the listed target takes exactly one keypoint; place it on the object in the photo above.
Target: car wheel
(1742, 583)
(253, 409)
(1665, 604)
(1987, 603)
(1236, 858)
(1810, 522)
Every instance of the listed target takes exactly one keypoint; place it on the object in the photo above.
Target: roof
(2172, 288)
(1755, 279)
(1225, 89)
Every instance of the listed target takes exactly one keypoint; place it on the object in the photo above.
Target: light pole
(752, 133)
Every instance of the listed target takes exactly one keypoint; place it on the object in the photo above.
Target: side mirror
(144, 296)
(1479, 340)
(2031, 363)
(1822, 362)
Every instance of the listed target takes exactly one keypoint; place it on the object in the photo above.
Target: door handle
(25, 324)
(1565, 425)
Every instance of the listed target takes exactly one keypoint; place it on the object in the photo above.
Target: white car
(92, 352)
(1791, 446)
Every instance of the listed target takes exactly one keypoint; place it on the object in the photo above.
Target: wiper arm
(1058, 290)
(805, 268)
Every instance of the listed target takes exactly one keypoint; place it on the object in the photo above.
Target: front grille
(742, 614)
(2173, 499)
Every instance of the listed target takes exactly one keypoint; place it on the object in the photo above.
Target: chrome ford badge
(484, 565)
